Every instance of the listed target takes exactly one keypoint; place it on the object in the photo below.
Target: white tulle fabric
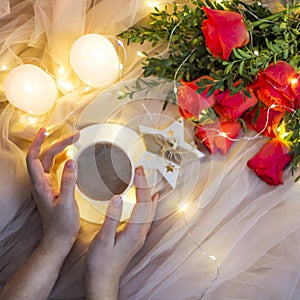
(251, 229)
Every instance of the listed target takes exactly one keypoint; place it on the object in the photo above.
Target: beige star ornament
(166, 149)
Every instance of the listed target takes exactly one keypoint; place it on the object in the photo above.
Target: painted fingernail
(139, 171)
(155, 197)
(42, 130)
(116, 201)
(70, 164)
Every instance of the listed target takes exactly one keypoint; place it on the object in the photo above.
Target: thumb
(112, 219)
(68, 181)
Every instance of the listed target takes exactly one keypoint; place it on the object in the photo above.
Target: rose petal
(224, 31)
(270, 161)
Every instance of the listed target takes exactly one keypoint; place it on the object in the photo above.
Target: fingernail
(155, 197)
(43, 131)
(116, 201)
(139, 171)
(70, 164)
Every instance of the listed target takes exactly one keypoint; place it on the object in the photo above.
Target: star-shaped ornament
(166, 150)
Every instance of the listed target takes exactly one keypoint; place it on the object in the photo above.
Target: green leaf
(237, 54)
(210, 91)
(241, 67)
(244, 54)
(257, 113)
(201, 90)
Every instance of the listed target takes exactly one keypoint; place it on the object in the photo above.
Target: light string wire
(169, 42)
(248, 138)
(210, 257)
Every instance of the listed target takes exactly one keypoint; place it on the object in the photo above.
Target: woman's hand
(110, 252)
(59, 212)
(58, 209)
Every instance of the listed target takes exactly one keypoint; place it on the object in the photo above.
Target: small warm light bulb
(152, 4)
(31, 120)
(61, 70)
(141, 54)
(256, 53)
(223, 134)
(69, 151)
(120, 43)
(182, 207)
(66, 86)
(4, 68)
(294, 81)
(212, 257)
(87, 89)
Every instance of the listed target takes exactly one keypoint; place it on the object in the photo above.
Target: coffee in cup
(103, 170)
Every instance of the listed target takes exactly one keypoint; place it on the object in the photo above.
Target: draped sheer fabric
(238, 237)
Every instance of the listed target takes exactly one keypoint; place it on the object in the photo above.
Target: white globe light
(95, 60)
(31, 89)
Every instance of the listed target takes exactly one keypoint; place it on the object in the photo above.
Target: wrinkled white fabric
(252, 229)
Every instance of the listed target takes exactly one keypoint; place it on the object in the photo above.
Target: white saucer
(124, 137)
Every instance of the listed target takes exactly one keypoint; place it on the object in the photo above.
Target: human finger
(68, 182)
(143, 193)
(48, 155)
(141, 212)
(112, 220)
(34, 166)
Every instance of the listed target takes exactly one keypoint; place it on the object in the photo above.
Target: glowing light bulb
(31, 89)
(65, 86)
(256, 53)
(294, 81)
(223, 134)
(87, 89)
(141, 54)
(61, 70)
(31, 120)
(153, 4)
(95, 60)
(120, 43)
(69, 151)
(182, 207)
(4, 68)
(212, 257)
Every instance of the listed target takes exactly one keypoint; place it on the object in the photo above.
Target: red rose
(224, 31)
(218, 136)
(266, 122)
(278, 85)
(232, 107)
(270, 161)
(190, 103)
